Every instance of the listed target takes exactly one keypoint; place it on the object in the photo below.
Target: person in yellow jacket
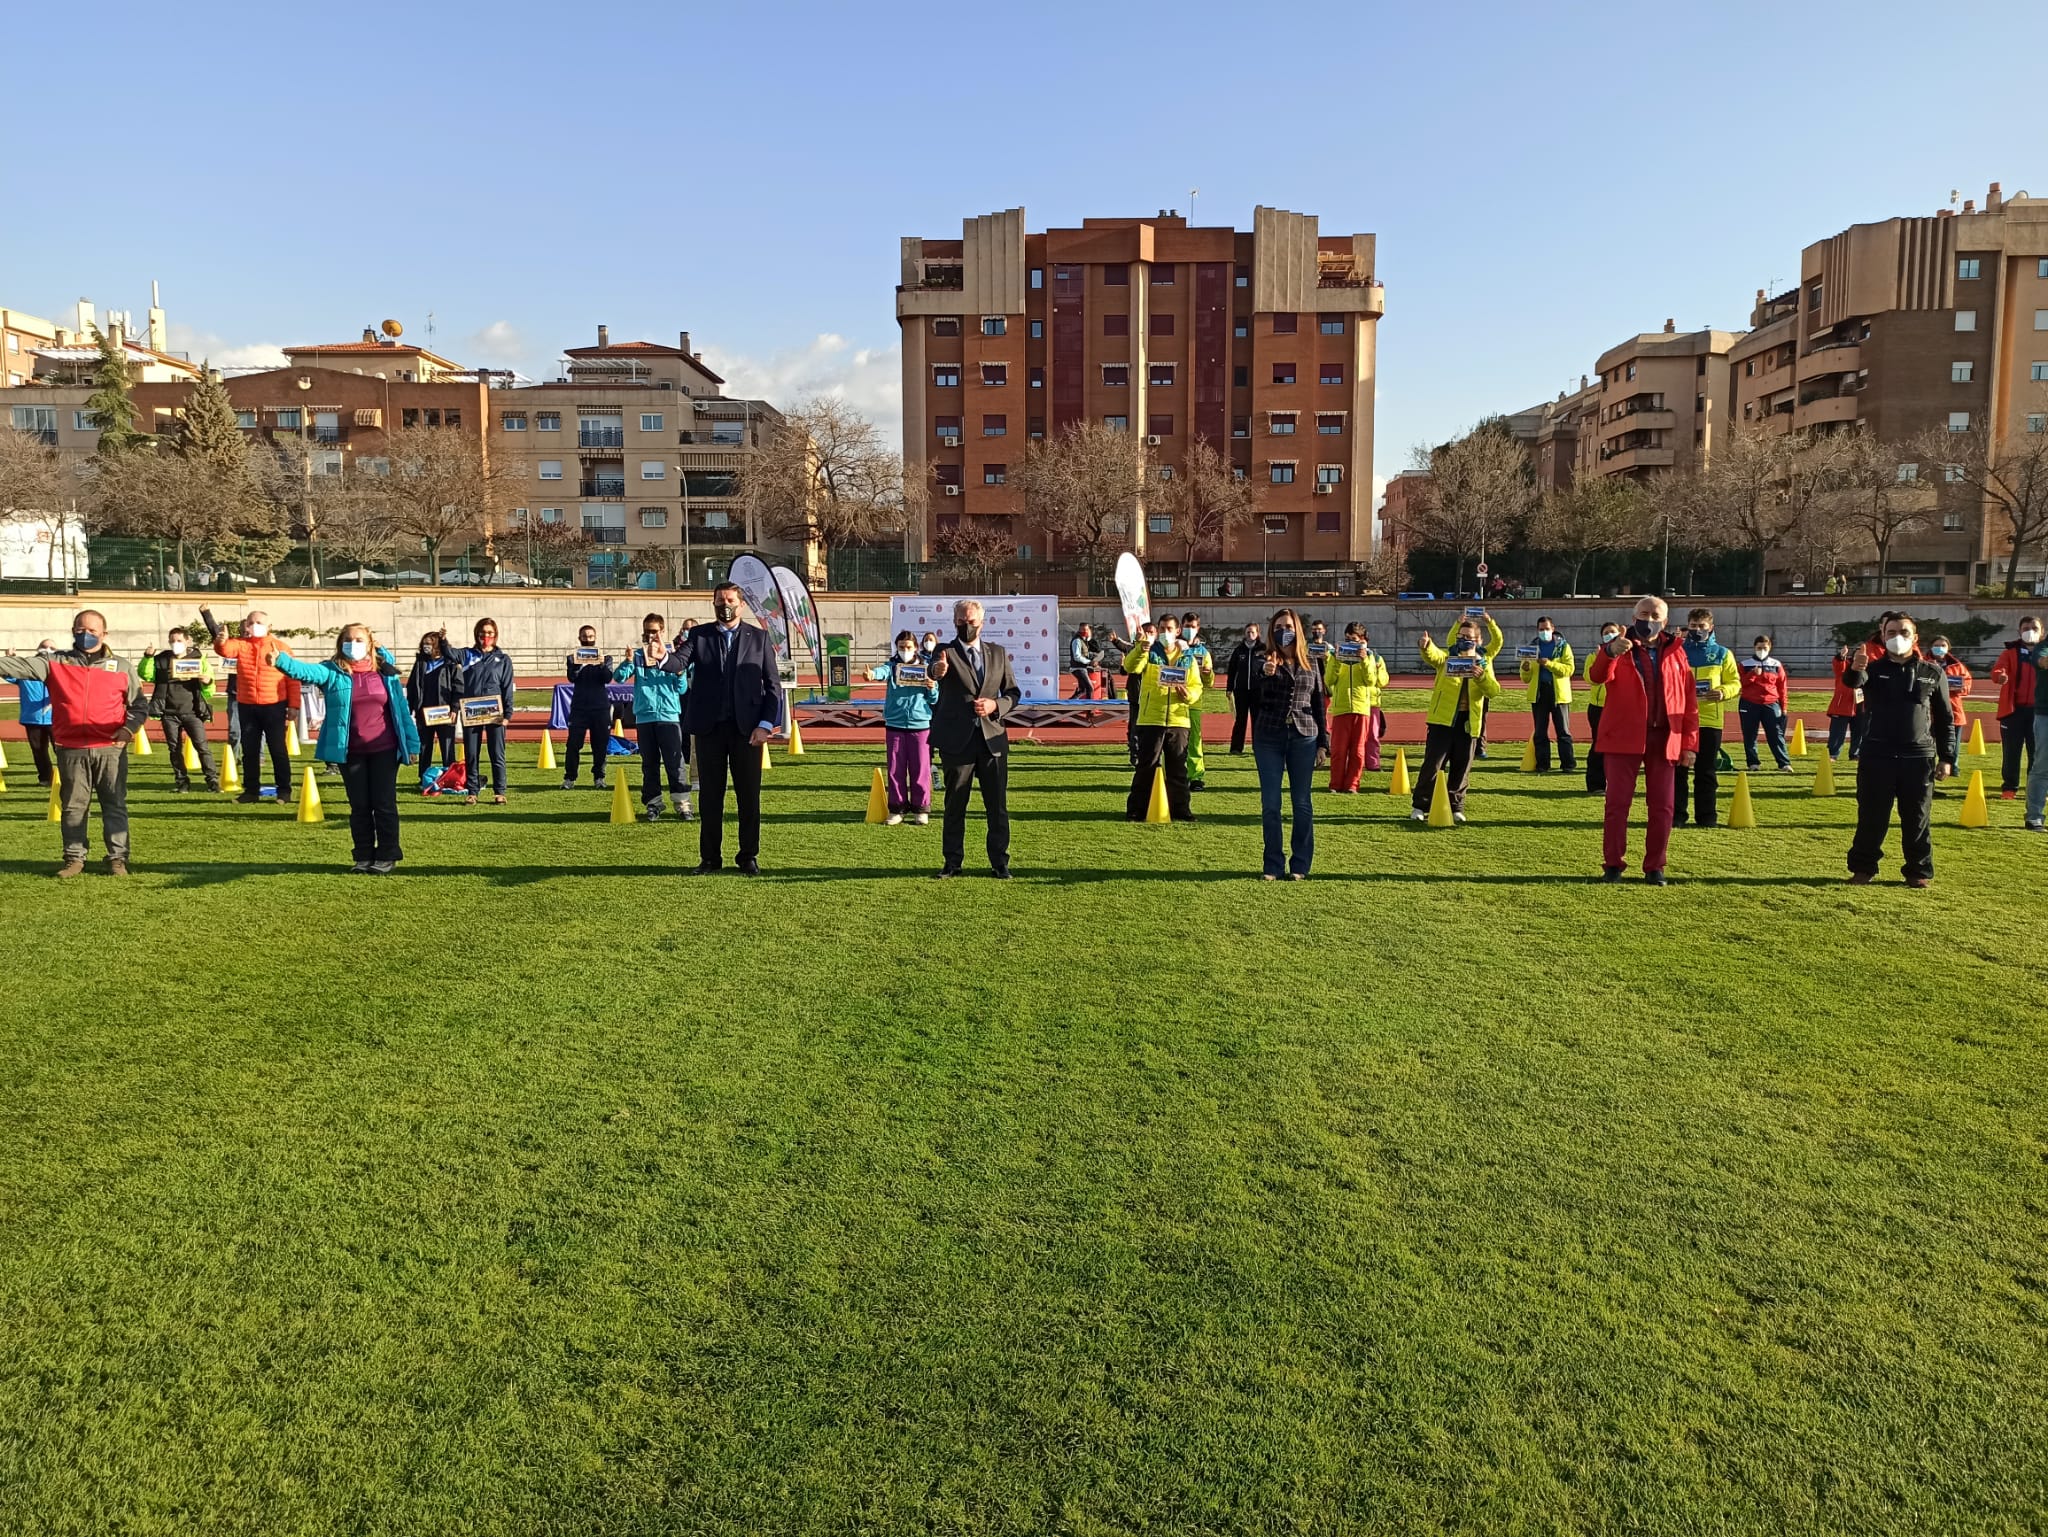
(1168, 679)
(1464, 682)
(1717, 680)
(1354, 674)
(1547, 675)
(1596, 701)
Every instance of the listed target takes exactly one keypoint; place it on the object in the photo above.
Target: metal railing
(608, 488)
(601, 437)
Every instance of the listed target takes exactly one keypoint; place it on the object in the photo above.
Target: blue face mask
(1283, 637)
(1461, 645)
(85, 640)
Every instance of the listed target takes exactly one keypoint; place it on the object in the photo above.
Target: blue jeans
(2037, 769)
(1770, 720)
(1296, 758)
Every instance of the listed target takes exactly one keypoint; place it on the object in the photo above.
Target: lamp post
(683, 473)
(305, 384)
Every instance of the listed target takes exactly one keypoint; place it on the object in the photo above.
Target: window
(1160, 376)
(1329, 522)
(1959, 421)
(1037, 379)
(994, 374)
(373, 466)
(995, 474)
(1330, 424)
(1162, 275)
(1908, 473)
(551, 469)
(1244, 276)
(519, 515)
(1749, 369)
(654, 517)
(1331, 325)
(1332, 373)
(946, 376)
(2037, 422)
(729, 432)
(947, 427)
(551, 514)
(946, 474)
(650, 421)
(81, 421)
(1240, 378)
(995, 426)
(1162, 325)
(2037, 373)
(994, 325)
(1037, 330)
(1038, 277)
(1240, 426)
(1812, 301)
(1159, 425)
(327, 426)
(326, 461)
(1631, 371)
(1281, 474)
(1158, 523)
(1329, 474)
(1283, 325)
(653, 469)
(454, 418)
(13, 342)
(1116, 325)
(1283, 373)
(547, 421)
(1951, 473)
(1034, 426)
(1240, 330)
(1116, 275)
(2041, 320)
(1117, 423)
(1166, 472)
(1280, 423)
(1966, 269)
(946, 325)
(2041, 267)
(513, 421)
(1966, 320)
(245, 418)
(1951, 522)
(288, 421)
(1116, 375)
(1959, 372)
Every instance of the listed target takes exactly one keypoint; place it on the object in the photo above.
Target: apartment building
(1549, 433)
(1261, 342)
(637, 445)
(20, 337)
(1659, 401)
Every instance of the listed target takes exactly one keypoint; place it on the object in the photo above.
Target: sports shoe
(1861, 878)
(360, 867)
(2006, 795)
(599, 785)
(652, 809)
(2037, 826)
(117, 867)
(1458, 817)
(683, 813)
(1654, 878)
(894, 819)
(568, 784)
(923, 819)
(70, 868)
(1611, 875)
(469, 800)
(1418, 816)
(1919, 882)
(382, 867)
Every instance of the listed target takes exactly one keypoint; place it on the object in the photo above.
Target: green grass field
(538, 1191)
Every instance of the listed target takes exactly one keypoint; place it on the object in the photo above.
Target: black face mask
(725, 613)
(1642, 629)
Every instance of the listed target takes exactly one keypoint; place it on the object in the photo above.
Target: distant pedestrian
(1464, 682)
(1766, 691)
(1649, 728)
(1290, 731)
(260, 702)
(2019, 700)
(590, 708)
(1910, 743)
(486, 672)
(35, 718)
(1243, 691)
(366, 732)
(433, 689)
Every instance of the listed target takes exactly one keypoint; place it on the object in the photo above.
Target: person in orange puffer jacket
(262, 701)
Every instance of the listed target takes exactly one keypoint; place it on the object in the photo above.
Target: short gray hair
(961, 607)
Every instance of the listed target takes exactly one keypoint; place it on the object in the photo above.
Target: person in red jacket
(1845, 712)
(1942, 654)
(1650, 725)
(2015, 674)
(1766, 692)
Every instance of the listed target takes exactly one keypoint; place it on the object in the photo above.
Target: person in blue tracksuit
(35, 720)
(907, 725)
(486, 670)
(658, 716)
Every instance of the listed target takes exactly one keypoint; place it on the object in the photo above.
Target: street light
(305, 383)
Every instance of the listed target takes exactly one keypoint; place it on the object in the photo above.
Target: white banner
(1027, 628)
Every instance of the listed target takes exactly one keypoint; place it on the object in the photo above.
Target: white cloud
(206, 347)
(498, 343)
(868, 378)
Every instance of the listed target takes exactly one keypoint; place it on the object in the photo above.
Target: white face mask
(1762, 652)
(2030, 635)
(906, 652)
(355, 650)
(257, 629)
(177, 648)
(1898, 645)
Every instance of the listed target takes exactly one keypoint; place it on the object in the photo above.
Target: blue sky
(1543, 181)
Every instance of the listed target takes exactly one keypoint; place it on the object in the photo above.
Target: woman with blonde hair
(1290, 730)
(367, 733)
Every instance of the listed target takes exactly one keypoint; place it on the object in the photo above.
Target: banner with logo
(1027, 628)
(800, 618)
(756, 583)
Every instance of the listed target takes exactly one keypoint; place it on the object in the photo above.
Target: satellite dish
(392, 328)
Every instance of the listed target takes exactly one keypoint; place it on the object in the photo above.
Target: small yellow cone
(796, 737)
(878, 798)
(547, 751)
(56, 797)
(191, 755)
(622, 803)
(1528, 757)
(310, 809)
(618, 728)
(1399, 785)
(291, 739)
(1741, 811)
(1156, 809)
(3, 755)
(1824, 776)
(139, 743)
(1798, 747)
(1440, 802)
(1975, 812)
(1974, 750)
(3, 784)
(230, 776)
(766, 761)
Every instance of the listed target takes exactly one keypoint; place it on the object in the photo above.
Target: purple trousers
(910, 771)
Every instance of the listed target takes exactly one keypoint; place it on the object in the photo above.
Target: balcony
(601, 437)
(614, 490)
(605, 534)
(1622, 460)
(1648, 419)
(327, 435)
(1828, 408)
(1845, 358)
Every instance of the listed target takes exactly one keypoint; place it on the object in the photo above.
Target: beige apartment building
(637, 445)
(1659, 401)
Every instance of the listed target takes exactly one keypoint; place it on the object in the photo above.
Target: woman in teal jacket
(657, 718)
(367, 733)
(907, 728)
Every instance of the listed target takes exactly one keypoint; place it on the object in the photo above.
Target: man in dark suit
(733, 706)
(977, 692)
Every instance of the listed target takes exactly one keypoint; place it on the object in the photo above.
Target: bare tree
(1479, 485)
(553, 547)
(1386, 570)
(823, 477)
(35, 483)
(1874, 503)
(354, 524)
(440, 488)
(1082, 486)
(1685, 519)
(975, 552)
(1594, 514)
(2004, 473)
(1762, 487)
(1206, 499)
(150, 492)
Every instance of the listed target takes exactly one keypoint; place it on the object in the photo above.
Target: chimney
(683, 343)
(604, 336)
(369, 333)
(1670, 326)
(1994, 199)
(159, 333)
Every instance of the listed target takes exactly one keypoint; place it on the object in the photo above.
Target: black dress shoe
(706, 868)
(247, 800)
(1001, 875)
(748, 867)
(1654, 878)
(1611, 875)
(947, 873)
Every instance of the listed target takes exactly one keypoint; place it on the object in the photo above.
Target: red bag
(455, 777)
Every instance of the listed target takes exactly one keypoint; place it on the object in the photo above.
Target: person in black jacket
(181, 697)
(486, 671)
(733, 706)
(1237, 681)
(435, 683)
(977, 692)
(1907, 745)
(1290, 732)
(590, 710)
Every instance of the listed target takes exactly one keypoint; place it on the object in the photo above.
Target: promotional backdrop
(1027, 628)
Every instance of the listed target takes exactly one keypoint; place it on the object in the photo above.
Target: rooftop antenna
(1193, 193)
(430, 328)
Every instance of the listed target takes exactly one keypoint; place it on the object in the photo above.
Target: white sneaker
(894, 819)
(923, 819)
(1458, 817)
(1418, 816)
(683, 812)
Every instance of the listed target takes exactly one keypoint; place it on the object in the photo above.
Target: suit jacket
(955, 726)
(749, 682)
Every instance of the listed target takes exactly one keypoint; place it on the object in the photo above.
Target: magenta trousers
(910, 770)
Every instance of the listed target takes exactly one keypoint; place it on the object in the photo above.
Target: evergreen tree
(211, 434)
(110, 406)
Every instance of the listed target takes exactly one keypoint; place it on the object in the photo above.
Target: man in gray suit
(977, 692)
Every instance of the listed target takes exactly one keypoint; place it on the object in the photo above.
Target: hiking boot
(69, 868)
(117, 867)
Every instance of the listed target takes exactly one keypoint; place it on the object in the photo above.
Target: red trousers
(1347, 751)
(1660, 779)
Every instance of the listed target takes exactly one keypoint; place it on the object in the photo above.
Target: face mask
(725, 613)
(1642, 629)
(650, 640)
(177, 648)
(1546, 636)
(426, 648)
(2030, 635)
(1939, 651)
(1609, 637)
(1898, 645)
(1762, 652)
(485, 642)
(1170, 637)
(1699, 637)
(1283, 637)
(356, 650)
(85, 640)
(1461, 645)
(906, 652)
(257, 629)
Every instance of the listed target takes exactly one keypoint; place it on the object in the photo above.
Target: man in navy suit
(733, 706)
(977, 693)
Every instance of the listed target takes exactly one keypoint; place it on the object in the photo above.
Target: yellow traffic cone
(1824, 776)
(1156, 808)
(618, 728)
(766, 761)
(1741, 811)
(1975, 812)
(1440, 802)
(547, 750)
(139, 744)
(56, 798)
(1399, 784)
(291, 739)
(622, 803)
(878, 798)
(310, 809)
(3, 784)
(3, 755)
(230, 776)
(1974, 750)
(796, 737)
(1528, 757)
(1798, 747)
(191, 755)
